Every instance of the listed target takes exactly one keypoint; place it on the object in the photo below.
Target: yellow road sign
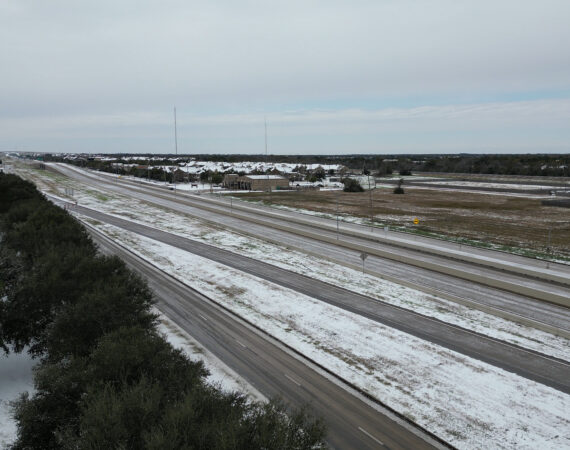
(416, 221)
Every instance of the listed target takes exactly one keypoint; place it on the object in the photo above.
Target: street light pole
(371, 210)
(337, 228)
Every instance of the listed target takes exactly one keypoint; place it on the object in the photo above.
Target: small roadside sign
(363, 256)
(416, 221)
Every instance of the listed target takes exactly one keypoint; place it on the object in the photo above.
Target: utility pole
(175, 134)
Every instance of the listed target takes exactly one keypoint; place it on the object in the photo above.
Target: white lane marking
(291, 379)
(241, 343)
(203, 317)
(370, 436)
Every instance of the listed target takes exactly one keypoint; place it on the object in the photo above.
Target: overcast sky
(358, 76)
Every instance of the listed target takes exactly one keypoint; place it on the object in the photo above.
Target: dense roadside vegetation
(106, 378)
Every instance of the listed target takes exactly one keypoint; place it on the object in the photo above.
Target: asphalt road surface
(529, 364)
(272, 369)
(518, 305)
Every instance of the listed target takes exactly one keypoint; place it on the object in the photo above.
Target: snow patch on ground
(386, 291)
(466, 402)
(525, 187)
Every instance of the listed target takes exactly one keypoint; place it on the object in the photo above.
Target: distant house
(231, 181)
(255, 182)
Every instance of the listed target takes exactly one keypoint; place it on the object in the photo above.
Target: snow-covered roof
(197, 167)
(326, 167)
(266, 177)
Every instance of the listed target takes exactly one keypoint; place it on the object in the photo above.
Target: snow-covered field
(468, 403)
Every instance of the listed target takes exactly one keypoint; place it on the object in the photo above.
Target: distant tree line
(530, 165)
(379, 165)
(106, 378)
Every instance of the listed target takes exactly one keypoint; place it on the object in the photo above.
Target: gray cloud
(66, 61)
(501, 126)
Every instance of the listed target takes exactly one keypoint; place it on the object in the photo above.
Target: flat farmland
(515, 223)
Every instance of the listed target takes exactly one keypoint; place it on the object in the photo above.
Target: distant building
(255, 182)
(231, 181)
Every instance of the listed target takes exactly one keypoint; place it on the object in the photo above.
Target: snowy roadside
(466, 402)
(220, 374)
(296, 261)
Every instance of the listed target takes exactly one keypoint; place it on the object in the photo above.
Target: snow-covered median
(336, 274)
(468, 403)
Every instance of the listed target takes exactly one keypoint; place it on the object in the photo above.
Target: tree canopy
(106, 378)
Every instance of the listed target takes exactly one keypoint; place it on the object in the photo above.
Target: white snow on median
(296, 261)
(466, 402)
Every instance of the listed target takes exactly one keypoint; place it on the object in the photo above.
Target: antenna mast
(176, 150)
(265, 122)
(267, 162)
(175, 134)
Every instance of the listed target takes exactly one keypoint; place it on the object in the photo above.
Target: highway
(352, 420)
(499, 301)
(434, 247)
(508, 262)
(532, 365)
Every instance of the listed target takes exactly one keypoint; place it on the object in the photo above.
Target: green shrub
(352, 185)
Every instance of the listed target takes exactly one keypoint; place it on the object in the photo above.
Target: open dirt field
(494, 219)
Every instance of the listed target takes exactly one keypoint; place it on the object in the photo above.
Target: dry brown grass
(495, 219)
